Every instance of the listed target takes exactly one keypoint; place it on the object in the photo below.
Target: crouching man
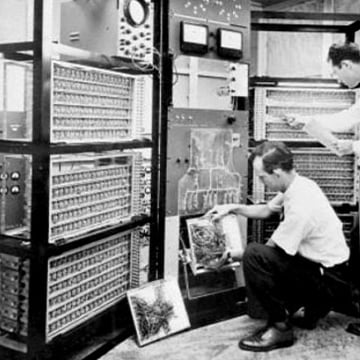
(304, 263)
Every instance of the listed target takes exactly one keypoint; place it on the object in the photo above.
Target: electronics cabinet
(204, 155)
(336, 176)
(78, 179)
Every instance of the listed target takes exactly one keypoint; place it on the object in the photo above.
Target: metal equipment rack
(48, 266)
(344, 191)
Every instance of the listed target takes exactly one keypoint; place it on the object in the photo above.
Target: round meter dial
(136, 12)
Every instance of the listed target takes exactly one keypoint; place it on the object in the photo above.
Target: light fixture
(299, 84)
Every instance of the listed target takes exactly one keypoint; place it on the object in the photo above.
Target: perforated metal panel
(87, 280)
(90, 191)
(337, 176)
(272, 103)
(90, 104)
(262, 229)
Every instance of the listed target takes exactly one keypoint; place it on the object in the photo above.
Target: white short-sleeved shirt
(311, 227)
(340, 121)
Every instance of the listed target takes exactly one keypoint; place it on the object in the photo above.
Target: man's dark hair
(275, 155)
(343, 51)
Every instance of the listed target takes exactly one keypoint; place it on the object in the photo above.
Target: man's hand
(219, 211)
(344, 147)
(293, 120)
(228, 257)
(225, 259)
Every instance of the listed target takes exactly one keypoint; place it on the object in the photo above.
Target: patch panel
(270, 104)
(94, 105)
(85, 281)
(337, 176)
(90, 191)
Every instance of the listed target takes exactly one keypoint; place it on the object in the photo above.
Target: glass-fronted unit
(16, 92)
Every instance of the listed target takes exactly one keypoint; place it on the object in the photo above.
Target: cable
(175, 72)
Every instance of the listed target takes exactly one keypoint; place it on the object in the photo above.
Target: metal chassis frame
(39, 250)
(348, 30)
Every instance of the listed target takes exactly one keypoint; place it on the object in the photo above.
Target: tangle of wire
(147, 66)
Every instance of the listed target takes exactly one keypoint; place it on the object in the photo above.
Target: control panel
(211, 28)
(113, 27)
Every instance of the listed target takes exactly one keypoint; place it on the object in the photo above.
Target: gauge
(136, 12)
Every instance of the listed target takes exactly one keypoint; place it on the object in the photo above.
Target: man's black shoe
(267, 339)
(354, 328)
(304, 322)
(308, 319)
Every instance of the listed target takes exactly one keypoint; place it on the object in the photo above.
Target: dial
(136, 12)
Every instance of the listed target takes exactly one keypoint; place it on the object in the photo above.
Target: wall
(298, 54)
(350, 6)
(16, 20)
(288, 53)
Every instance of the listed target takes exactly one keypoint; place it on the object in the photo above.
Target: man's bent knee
(256, 253)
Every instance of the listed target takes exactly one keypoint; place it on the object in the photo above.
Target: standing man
(344, 60)
(304, 262)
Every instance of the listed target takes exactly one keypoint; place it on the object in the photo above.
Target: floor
(329, 341)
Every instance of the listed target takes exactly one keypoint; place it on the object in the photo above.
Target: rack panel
(91, 104)
(272, 103)
(90, 191)
(14, 294)
(15, 198)
(85, 281)
(145, 185)
(337, 176)
(263, 229)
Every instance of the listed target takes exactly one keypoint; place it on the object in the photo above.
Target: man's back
(311, 227)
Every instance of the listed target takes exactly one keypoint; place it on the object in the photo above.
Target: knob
(231, 120)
